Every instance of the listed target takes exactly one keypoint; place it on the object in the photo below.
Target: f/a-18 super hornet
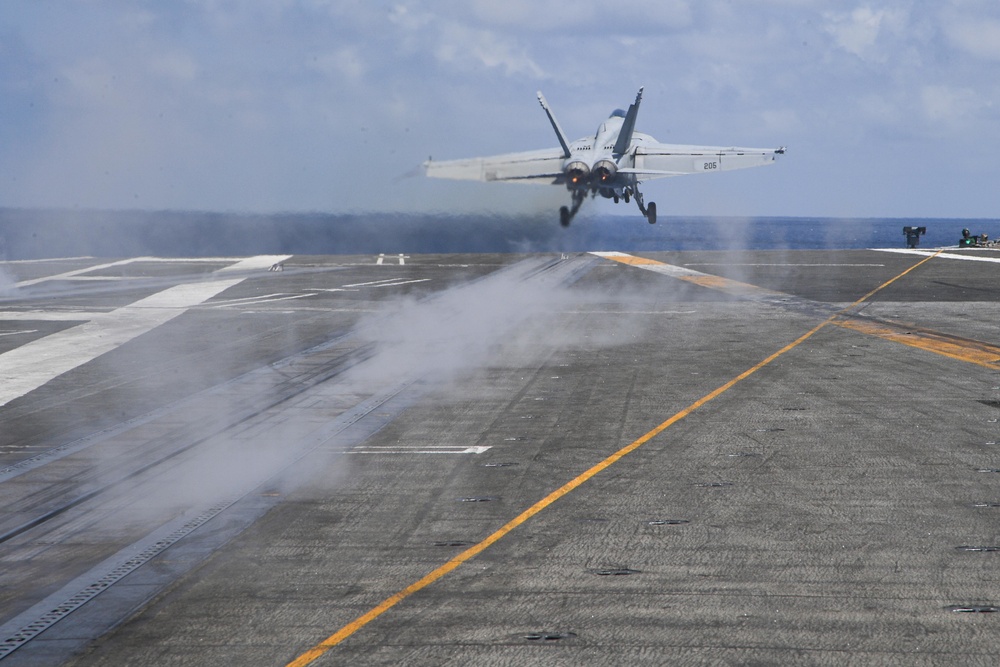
(611, 163)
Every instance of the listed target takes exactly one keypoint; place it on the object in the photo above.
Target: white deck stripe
(240, 264)
(30, 366)
(44, 260)
(76, 272)
(255, 263)
(47, 316)
(944, 255)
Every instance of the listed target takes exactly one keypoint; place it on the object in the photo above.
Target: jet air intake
(576, 171)
(605, 170)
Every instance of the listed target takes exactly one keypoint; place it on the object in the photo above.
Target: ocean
(33, 234)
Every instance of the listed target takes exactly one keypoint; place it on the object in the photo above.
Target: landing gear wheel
(648, 211)
(628, 196)
(564, 216)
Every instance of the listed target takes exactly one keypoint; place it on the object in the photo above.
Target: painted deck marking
(257, 300)
(708, 280)
(812, 264)
(419, 449)
(973, 352)
(31, 365)
(238, 264)
(48, 316)
(401, 257)
(255, 263)
(77, 272)
(940, 253)
(404, 282)
(388, 282)
(333, 640)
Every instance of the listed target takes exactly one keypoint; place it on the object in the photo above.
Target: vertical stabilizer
(628, 127)
(555, 124)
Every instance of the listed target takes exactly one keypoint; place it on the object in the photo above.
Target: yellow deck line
(633, 260)
(973, 352)
(336, 638)
(727, 285)
(708, 280)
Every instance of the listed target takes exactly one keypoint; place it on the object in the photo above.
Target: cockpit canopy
(617, 113)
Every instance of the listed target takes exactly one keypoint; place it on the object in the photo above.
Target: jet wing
(543, 166)
(656, 160)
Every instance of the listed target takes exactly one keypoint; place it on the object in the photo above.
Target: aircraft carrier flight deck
(697, 457)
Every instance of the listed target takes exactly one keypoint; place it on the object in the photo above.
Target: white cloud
(461, 45)
(977, 36)
(465, 48)
(408, 20)
(949, 105)
(531, 15)
(581, 17)
(242, 105)
(858, 32)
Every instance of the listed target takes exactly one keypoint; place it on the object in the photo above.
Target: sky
(888, 109)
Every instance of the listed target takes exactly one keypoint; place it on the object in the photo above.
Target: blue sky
(888, 109)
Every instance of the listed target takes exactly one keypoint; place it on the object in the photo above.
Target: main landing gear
(648, 211)
(566, 213)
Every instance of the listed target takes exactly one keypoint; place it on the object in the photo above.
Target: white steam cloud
(438, 338)
(423, 343)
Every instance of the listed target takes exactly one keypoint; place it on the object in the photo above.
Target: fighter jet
(611, 163)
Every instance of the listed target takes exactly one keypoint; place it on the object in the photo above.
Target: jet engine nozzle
(605, 170)
(576, 171)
